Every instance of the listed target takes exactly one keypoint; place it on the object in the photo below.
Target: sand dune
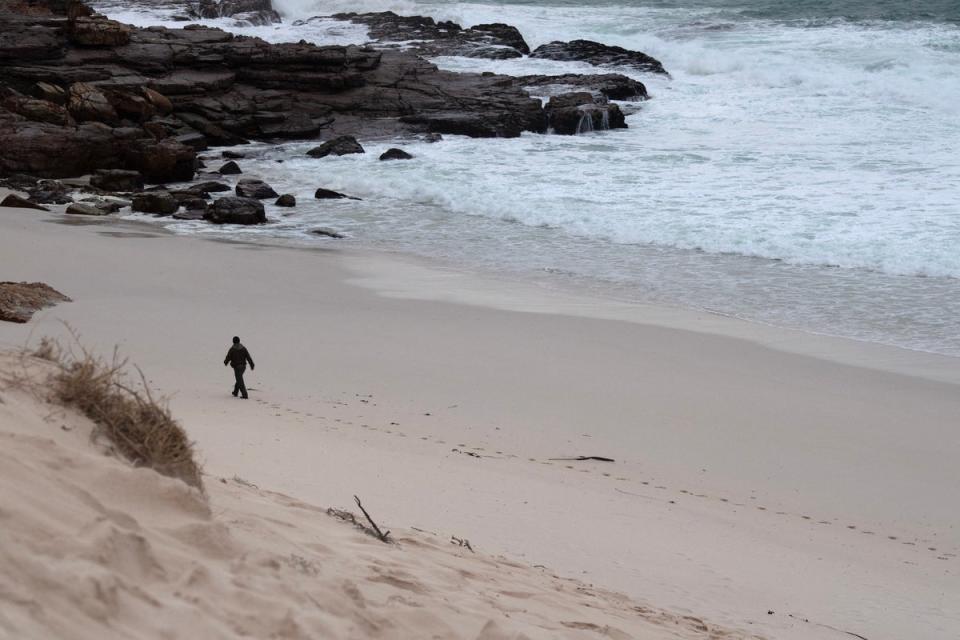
(94, 548)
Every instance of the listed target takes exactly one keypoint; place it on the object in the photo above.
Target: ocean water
(800, 166)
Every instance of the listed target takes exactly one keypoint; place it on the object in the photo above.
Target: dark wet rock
(230, 169)
(209, 187)
(117, 180)
(232, 155)
(574, 113)
(339, 146)
(13, 200)
(614, 86)
(232, 210)
(395, 154)
(330, 194)
(429, 38)
(598, 54)
(254, 188)
(20, 300)
(82, 209)
(431, 137)
(326, 232)
(286, 200)
(157, 202)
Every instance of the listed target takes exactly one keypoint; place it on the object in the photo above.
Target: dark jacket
(238, 357)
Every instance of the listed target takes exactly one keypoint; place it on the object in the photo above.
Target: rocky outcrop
(20, 300)
(598, 54)
(232, 210)
(612, 86)
(286, 200)
(79, 92)
(427, 37)
(576, 113)
(339, 146)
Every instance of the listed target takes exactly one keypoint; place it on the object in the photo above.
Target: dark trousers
(239, 387)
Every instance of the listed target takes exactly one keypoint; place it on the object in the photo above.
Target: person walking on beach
(238, 357)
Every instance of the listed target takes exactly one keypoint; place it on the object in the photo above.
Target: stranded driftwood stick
(380, 534)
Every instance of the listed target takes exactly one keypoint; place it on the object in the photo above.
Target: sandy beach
(768, 482)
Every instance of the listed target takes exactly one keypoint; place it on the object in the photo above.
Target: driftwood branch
(381, 535)
(461, 542)
(582, 458)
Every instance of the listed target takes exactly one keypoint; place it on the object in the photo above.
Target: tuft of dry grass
(138, 425)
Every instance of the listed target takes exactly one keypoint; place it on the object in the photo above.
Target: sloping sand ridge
(95, 548)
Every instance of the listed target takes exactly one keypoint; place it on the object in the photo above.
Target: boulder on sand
(231, 210)
(13, 200)
(81, 209)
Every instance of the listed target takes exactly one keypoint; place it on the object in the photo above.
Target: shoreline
(378, 269)
(736, 464)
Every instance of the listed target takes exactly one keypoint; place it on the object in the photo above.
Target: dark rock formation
(232, 210)
(326, 232)
(15, 201)
(256, 189)
(329, 194)
(286, 200)
(613, 86)
(339, 146)
(574, 113)
(79, 92)
(395, 154)
(232, 155)
(229, 169)
(598, 54)
(157, 202)
(20, 300)
(427, 37)
(117, 180)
